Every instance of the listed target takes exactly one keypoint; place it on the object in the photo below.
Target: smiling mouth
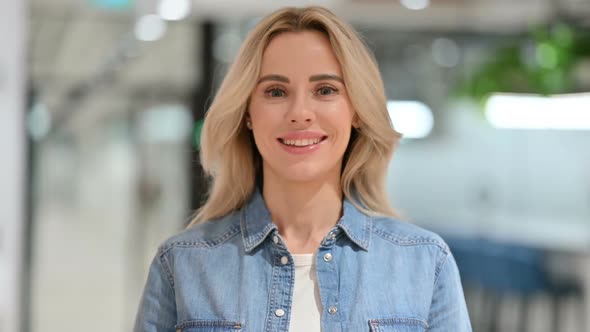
(300, 143)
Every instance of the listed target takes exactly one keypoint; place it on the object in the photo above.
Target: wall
(12, 147)
(472, 175)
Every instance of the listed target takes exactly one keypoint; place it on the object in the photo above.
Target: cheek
(343, 128)
(264, 112)
(265, 120)
(340, 119)
(261, 117)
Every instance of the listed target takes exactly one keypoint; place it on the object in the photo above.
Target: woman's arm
(448, 311)
(157, 308)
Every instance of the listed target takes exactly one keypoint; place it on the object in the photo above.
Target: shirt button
(275, 239)
(328, 257)
(284, 260)
(332, 236)
(332, 310)
(279, 312)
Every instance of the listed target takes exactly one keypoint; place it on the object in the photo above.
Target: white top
(307, 305)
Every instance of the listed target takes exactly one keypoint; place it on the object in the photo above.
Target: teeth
(302, 142)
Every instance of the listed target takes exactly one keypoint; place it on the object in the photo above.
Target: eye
(275, 92)
(326, 91)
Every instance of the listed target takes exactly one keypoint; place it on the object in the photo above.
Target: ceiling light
(174, 10)
(519, 111)
(415, 4)
(150, 28)
(445, 52)
(411, 118)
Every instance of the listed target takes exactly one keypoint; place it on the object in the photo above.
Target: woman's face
(300, 112)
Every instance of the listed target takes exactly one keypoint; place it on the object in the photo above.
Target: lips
(301, 142)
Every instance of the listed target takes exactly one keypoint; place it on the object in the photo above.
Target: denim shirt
(236, 274)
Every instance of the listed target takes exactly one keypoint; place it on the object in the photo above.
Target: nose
(300, 111)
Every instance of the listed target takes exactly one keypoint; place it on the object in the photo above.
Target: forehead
(299, 53)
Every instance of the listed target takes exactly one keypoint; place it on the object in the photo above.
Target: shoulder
(402, 233)
(427, 250)
(207, 234)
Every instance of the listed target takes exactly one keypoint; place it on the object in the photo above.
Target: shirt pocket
(208, 325)
(397, 325)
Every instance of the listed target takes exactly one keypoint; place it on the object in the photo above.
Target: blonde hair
(228, 153)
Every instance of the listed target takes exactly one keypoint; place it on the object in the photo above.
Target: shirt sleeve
(448, 310)
(157, 307)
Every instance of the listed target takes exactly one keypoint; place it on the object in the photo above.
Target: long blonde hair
(228, 152)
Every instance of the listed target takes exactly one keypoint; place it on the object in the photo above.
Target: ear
(248, 120)
(356, 122)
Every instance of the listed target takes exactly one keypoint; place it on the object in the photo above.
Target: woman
(297, 233)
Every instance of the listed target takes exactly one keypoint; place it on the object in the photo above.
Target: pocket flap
(397, 325)
(208, 325)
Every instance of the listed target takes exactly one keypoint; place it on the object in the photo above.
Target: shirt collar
(256, 223)
(355, 224)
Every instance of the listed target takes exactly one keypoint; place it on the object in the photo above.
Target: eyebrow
(326, 77)
(314, 78)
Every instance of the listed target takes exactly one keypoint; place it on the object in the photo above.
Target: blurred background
(101, 103)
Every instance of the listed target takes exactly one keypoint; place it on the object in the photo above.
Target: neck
(303, 212)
